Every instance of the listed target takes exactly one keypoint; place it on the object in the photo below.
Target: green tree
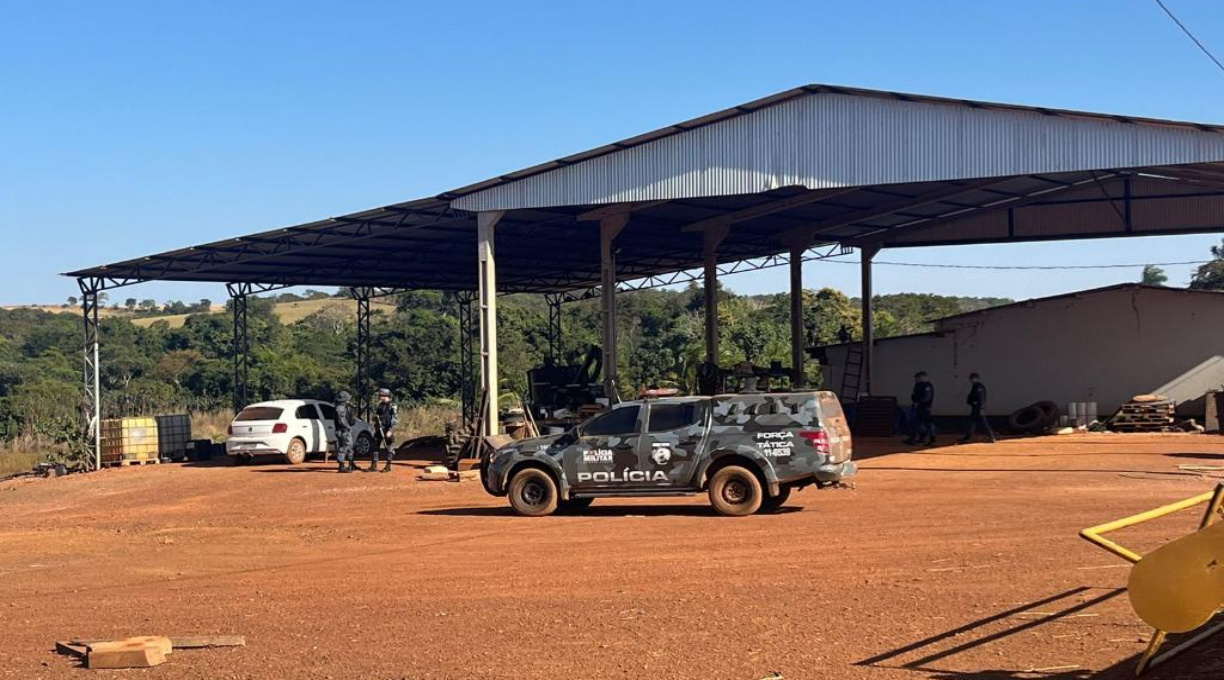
(1154, 276)
(1210, 276)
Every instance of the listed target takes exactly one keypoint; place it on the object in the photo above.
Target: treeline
(415, 348)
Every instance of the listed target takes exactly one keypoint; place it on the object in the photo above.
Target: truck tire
(364, 445)
(735, 491)
(770, 504)
(533, 493)
(574, 504)
(296, 454)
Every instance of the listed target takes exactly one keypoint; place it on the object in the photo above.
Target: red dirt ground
(955, 563)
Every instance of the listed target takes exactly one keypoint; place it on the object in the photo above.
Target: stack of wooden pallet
(1145, 413)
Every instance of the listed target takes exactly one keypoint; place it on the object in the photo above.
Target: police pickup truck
(747, 451)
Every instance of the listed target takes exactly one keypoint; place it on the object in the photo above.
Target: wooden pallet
(1152, 416)
(130, 462)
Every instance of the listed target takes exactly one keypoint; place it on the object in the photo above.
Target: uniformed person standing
(922, 398)
(386, 416)
(977, 402)
(344, 432)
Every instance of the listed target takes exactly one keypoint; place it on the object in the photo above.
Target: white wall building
(1104, 345)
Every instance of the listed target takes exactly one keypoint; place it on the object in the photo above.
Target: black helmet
(343, 397)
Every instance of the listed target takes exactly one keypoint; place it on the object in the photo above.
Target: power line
(1025, 267)
(1190, 35)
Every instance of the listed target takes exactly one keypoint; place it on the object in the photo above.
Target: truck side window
(668, 417)
(618, 421)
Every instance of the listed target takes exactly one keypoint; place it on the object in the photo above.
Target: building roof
(832, 165)
(1076, 294)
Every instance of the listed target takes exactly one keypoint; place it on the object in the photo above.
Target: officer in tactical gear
(344, 432)
(977, 402)
(385, 419)
(922, 398)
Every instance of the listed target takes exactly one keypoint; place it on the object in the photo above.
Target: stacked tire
(1034, 418)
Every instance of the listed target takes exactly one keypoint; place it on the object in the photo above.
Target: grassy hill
(288, 312)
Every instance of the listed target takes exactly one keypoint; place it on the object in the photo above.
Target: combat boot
(373, 465)
(387, 467)
(340, 466)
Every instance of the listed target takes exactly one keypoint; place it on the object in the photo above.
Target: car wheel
(774, 503)
(574, 504)
(735, 491)
(533, 493)
(363, 445)
(296, 455)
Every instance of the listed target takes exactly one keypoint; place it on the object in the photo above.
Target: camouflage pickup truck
(747, 451)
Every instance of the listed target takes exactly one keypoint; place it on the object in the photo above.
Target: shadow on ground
(597, 510)
(925, 657)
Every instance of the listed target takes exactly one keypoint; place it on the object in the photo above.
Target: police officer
(344, 432)
(977, 402)
(386, 416)
(922, 398)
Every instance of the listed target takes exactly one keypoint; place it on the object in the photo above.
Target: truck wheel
(296, 455)
(735, 492)
(574, 504)
(774, 503)
(363, 445)
(533, 493)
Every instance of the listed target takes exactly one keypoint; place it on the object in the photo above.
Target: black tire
(296, 453)
(363, 445)
(771, 504)
(735, 491)
(574, 504)
(533, 493)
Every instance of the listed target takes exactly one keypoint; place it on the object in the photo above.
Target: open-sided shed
(808, 173)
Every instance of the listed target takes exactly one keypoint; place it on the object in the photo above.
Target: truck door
(605, 454)
(673, 439)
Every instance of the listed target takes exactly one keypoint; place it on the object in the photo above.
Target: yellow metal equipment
(1179, 586)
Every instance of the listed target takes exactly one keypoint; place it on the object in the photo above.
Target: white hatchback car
(293, 428)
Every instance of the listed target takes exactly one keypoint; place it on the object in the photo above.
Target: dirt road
(957, 563)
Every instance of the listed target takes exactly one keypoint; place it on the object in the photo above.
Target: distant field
(287, 312)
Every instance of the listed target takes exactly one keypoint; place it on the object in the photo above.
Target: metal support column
(554, 326)
(712, 237)
(242, 345)
(796, 316)
(609, 228)
(91, 406)
(868, 252)
(362, 378)
(485, 223)
(467, 357)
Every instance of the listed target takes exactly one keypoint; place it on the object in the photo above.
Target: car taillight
(280, 428)
(819, 440)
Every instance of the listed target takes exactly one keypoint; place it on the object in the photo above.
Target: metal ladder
(852, 373)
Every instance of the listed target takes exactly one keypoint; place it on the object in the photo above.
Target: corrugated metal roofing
(921, 171)
(822, 137)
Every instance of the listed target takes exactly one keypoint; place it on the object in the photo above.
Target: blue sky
(128, 128)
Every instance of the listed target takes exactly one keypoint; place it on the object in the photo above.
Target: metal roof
(839, 165)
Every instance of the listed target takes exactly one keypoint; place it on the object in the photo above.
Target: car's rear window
(260, 413)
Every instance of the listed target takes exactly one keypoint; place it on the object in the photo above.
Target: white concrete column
(609, 228)
(485, 222)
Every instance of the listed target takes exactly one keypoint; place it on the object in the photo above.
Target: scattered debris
(1144, 413)
(143, 651)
